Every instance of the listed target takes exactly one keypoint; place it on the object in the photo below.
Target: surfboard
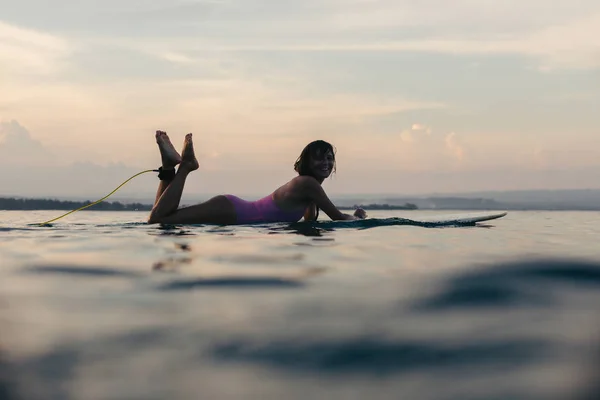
(459, 219)
(428, 221)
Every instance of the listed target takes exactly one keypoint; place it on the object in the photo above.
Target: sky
(417, 97)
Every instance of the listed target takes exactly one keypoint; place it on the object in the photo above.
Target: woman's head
(316, 160)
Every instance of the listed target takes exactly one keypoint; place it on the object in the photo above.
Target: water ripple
(80, 270)
(512, 284)
(379, 356)
(232, 282)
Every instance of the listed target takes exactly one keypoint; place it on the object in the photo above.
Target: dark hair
(313, 149)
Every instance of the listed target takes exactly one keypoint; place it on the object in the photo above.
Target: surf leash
(98, 201)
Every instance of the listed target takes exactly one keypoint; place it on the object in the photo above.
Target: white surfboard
(470, 218)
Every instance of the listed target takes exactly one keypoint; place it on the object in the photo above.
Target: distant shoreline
(13, 204)
(387, 204)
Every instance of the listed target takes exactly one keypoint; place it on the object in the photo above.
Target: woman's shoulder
(303, 180)
(297, 186)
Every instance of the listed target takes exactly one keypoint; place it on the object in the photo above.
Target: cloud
(256, 83)
(256, 108)
(421, 128)
(572, 45)
(562, 36)
(39, 172)
(177, 58)
(408, 135)
(453, 147)
(471, 15)
(575, 45)
(18, 147)
(421, 148)
(29, 51)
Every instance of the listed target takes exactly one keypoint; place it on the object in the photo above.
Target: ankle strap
(165, 174)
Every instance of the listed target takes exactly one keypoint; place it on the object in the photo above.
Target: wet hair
(316, 149)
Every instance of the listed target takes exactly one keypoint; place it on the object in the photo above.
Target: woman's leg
(170, 158)
(169, 199)
(217, 210)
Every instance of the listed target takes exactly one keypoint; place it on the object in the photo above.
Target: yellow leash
(98, 201)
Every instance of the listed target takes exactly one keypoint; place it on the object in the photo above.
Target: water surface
(103, 306)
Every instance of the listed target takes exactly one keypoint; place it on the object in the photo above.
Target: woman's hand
(360, 213)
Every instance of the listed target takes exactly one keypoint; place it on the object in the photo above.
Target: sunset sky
(417, 97)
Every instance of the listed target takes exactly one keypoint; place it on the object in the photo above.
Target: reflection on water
(319, 228)
(379, 356)
(300, 311)
(231, 282)
(503, 322)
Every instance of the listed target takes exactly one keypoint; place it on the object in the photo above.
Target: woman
(301, 197)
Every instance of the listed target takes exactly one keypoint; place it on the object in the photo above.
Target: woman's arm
(311, 213)
(317, 195)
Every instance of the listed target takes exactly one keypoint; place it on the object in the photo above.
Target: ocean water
(103, 306)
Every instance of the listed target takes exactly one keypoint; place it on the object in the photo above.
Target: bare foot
(188, 158)
(170, 157)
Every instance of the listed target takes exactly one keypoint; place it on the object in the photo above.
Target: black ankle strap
(166, 174)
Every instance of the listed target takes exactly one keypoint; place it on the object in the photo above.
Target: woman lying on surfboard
(301, 197)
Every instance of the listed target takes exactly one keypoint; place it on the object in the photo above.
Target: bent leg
(218, 210)
(169, 157)
(162, 186)
(170, 197)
